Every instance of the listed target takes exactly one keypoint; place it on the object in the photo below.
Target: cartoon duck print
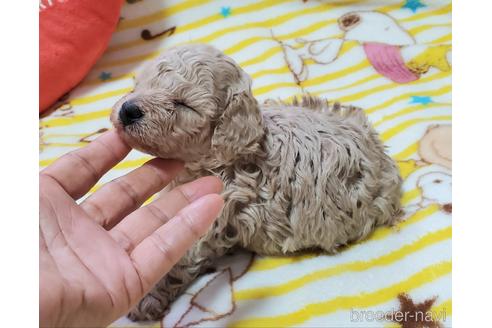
(390, 49)
(436, 189)
(433, 185)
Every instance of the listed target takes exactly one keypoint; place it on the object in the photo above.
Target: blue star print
(225, 11)
(413, 5)
(421, 100)
(104, 76)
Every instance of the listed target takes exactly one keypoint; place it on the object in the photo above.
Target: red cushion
(73, 34)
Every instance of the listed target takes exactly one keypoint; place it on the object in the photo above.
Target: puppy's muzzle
(129, 113)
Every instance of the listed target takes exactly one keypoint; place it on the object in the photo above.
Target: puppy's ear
(234, 77)
(238, 129)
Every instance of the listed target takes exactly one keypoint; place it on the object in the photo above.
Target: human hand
(99, 258)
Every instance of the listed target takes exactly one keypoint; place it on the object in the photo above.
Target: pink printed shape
(387, 60)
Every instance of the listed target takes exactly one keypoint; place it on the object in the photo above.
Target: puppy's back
(328, 174)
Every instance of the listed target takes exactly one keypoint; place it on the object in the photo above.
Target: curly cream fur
(302, 175)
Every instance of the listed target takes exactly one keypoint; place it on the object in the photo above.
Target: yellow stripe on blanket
(335, 75)
(444, 39)
(407, 152)
(89, 99)
(410, 110)
(356, 266)
(389, 86)
(127, 164)
(426, 27)
(354, 84)
(280, 70)
(420, 215)
(362, 300)
(79, 118)
(390, 133)
(409, 196)
(269, 263)
(375, 90)
(440, 11)
(441, 91)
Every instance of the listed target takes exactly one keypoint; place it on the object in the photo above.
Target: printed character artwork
(431, 175)
(391, 50)
(436, 189)
(428, 177)
(211, 298)
(296, 53)
(435, 146)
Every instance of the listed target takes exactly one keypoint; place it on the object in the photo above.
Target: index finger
(161, 250)
(79, 170)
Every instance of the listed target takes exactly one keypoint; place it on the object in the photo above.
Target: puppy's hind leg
(155, 304)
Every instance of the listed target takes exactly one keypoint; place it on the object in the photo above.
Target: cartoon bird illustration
(390, 49)
(322, 51)
(429, 184)
(436, 189)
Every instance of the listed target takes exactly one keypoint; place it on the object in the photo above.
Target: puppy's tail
(324, 105)
(307, 101)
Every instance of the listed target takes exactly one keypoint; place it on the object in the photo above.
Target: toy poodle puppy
(305, 175)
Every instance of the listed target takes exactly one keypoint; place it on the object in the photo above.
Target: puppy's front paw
(149, 309)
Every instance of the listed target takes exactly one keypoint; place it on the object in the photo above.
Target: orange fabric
(73, 34)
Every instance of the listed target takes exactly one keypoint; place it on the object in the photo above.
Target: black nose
(129, 113)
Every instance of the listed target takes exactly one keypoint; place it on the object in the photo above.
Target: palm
(98, 271)
(97, 259)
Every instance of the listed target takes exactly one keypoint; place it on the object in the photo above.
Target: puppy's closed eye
(180, 103)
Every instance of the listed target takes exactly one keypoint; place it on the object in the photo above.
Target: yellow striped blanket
(390, 57)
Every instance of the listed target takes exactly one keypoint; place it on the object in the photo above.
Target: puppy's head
(191, 102)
